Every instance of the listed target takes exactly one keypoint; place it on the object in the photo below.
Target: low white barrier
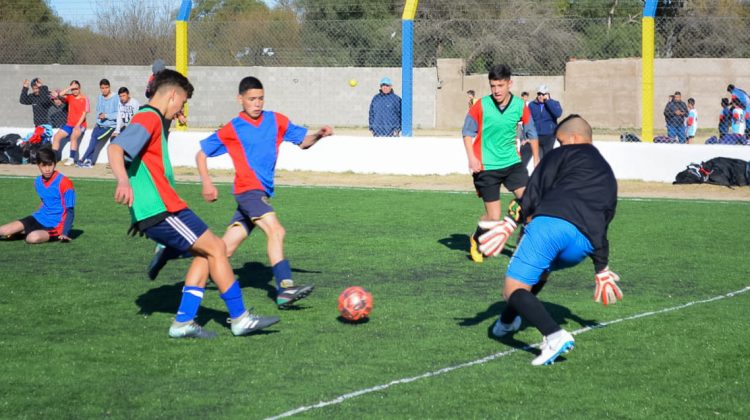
(438, 155)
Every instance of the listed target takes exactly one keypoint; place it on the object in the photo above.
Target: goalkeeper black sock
(510, 313)
(479, 232)
(533, 311)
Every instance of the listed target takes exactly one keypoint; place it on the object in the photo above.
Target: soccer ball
(355, 303)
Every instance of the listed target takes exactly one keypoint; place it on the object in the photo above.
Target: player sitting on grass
(252, 140)
(490, 140)
(146, 186)
(567, 206)
(54, 218)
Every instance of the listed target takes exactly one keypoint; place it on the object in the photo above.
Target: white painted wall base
(438, 156)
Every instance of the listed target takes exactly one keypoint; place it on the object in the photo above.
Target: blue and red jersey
(253, 145)
(57, 195)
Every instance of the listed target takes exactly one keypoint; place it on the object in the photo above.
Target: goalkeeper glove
(607, 290)
(514, 211)
(492, 242)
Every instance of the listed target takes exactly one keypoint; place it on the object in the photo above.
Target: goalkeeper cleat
(290, 295)
(474, 252)
(249, 322)
(189, 330)
(501, 329)
(553, 346)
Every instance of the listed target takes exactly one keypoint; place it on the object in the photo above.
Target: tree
(32, 33)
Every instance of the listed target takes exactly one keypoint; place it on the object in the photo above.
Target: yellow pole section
(181, 56)
(410, 9)
(647, 80)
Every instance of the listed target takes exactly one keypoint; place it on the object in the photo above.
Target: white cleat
(501, 329)
(553, 346)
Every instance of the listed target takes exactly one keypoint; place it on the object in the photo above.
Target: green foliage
(85, 332)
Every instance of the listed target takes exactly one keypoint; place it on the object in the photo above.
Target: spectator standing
(692, 120)
(39, 99)
(58, 112)
(107, 106)
(525, 97)
(725, 118)
(544, 111)
(739, 116)
(127, 108)
(75, 125)
(385, 111)
(472, 97)
(674, 114)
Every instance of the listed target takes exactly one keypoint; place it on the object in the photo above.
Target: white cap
(542, 89)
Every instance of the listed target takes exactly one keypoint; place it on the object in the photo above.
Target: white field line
(344, 397)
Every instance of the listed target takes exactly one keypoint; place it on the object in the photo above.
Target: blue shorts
(548, 244)
(69, 129)
(251, 206)
(178, 231)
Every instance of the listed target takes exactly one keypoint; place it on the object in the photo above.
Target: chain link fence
(531, 45)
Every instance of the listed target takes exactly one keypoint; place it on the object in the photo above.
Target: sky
(83, 12)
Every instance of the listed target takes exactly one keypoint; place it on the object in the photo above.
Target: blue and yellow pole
(647, 71)
(181, 44)
(407, 65)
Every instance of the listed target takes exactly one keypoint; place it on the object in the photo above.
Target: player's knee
(36, 237)
(277, 231)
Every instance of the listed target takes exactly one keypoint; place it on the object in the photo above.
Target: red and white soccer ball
(355, 303)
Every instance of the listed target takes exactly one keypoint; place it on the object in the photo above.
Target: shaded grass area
(84, 331)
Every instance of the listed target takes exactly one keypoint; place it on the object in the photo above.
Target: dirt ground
(427, 182)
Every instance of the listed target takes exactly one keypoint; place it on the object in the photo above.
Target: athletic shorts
(178, 231)
(69, 129)
(30, 224)
(251, 206)
(548, 244)
(487, 183)
(102, 133)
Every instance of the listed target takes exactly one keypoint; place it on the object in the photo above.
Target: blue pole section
(184, 13)
(407, 64)
(649, 8)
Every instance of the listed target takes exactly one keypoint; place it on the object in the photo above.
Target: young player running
(252, 140)
(146, 185)
(490, 140)
(567, 207)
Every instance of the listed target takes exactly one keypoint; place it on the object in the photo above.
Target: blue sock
(282, 271)
(74, 154)
(191, 301)
(233, 299)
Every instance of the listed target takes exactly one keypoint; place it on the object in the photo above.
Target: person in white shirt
(128, 107)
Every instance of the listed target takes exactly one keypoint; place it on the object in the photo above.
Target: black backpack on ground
(9, 151)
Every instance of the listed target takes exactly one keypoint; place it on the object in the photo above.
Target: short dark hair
(691, 101)
(123, 90)
(730, 88)
(500, 72)
(248, 83)
(169, 77)
(524, 93)
(677, 92)
(470, 92)
(104, 82)
(45, 156)
(724, 101)
(76, 82)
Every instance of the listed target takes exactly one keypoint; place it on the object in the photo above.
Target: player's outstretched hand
(607, 290)
(124, 194)
(64, 238)
(210, 193)
(325, 131)
(493, 241)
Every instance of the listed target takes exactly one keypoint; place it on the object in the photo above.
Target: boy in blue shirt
(54, 217)
(107, 107)
(252, 140)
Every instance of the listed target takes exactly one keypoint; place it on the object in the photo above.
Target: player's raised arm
(311, 139)
(123, 191)
(209, 191)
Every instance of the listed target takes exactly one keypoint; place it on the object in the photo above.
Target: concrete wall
(310, 96)
(608, 92)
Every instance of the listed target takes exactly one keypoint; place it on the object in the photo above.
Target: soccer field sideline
(340, 399)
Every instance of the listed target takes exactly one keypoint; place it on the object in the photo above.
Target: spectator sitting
(692, 120)
(739, 117)
(385, 111)
(107, 106)
(58, 112)
(725, 118)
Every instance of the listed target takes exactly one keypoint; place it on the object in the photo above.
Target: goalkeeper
(567, 207)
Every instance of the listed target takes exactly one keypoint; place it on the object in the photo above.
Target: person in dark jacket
(567, 207)
(39, 99)
(674, 114)
(57, 112)
(545, 111)
(385, 111)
